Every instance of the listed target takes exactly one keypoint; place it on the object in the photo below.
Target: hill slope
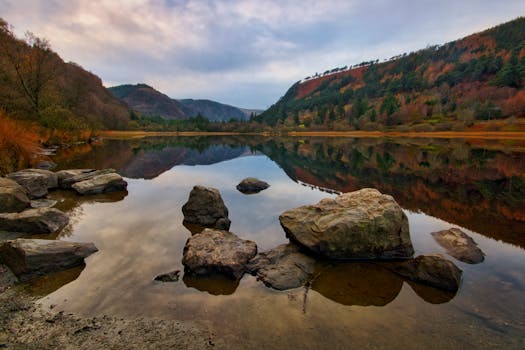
(212, 110)
(452, 86)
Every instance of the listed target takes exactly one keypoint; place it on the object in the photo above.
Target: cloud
(245, 52)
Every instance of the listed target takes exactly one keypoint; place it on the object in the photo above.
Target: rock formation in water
(34, 221)
(206, 208)
(251, 185)
(172, 276)
(459, 245)
(13, 197)
(37, 182)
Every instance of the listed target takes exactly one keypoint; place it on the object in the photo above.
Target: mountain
(149, 102)
(458, 85)
(212, 110)
(249, 112)
(37, 86)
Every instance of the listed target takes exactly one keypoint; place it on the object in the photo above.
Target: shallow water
(477, 186)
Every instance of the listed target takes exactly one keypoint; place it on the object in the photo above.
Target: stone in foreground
(358, 225)
(251, 185)
(206, 208)
(35, 181)
(13, 197)
(34, 221)
(172, 276)
(66, 178)
(28, 258)
(459, 245)
(215, 251)
(104, 183)
(433, 270)
(284, 267)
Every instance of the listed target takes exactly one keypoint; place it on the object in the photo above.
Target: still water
(478, 186)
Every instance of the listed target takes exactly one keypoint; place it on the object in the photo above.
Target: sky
(246, 53)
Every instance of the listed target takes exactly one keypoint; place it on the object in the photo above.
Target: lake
(475, 185)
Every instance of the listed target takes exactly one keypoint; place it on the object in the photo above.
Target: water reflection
(214, 284)
(47, 284)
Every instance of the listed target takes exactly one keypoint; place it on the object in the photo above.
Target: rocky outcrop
(283, 267)
(13, 197)
(206, 208)
(216, 251)
(28, 258)
(36, 182)
(433, 270)
(459, 245)
(111, 182)
(34, 221)
(66, 178)
(172, 276)
(358, 225)
(252, 185)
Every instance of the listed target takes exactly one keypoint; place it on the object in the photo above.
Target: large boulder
(206, 208)
(358, 225)
(459, 245)
(252, 185)
(13, 197)
(215, 251)
(28, 258)
(34, 221)
(433, 270)
(66, 178)
(284, 267)
(111, 182)
(36, 182)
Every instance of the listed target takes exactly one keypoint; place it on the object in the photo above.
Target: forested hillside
(456, 86)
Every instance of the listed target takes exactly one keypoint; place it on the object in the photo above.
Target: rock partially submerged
(36, 182)
(459, 245)
(433, 270)
(284, 267)
(251, 185)
(67, 178)
(28, 258)
(34, 221)
(206, 208)
(43, 203)
(172, 276)
(358, 225)
(13, 197)
(111, 182)
(215, 251)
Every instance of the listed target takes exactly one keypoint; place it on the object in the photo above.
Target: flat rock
(215, 251)
(206, 208)
(28, 258)
(283, 267)
(36, 182)
(34, 221)
(43, 203)
(66, 178)
(459, 245)
(13, 197)
(252, 185)
(433, 270)
(358, 225)
(172, 276)
(103, 183)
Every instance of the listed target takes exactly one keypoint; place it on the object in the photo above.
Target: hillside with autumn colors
(475, 83)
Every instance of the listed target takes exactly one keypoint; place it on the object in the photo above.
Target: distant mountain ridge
(150, 102)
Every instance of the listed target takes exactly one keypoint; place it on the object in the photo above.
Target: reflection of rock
(358, 225)
(214, 251)
(43, 203)
(205, 207)
(35, 181)
(432, 270)
(358, 283)
(44, 285)
(34, 221)
(66, 178)
(459, 245)
(28, 258)
(283, 267)
(215, 284)
(430, 294)
(172, 276)
(252, 185)
(103, 183)
(13, 197)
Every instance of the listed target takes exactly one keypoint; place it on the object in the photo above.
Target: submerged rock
(284, 267)
(216, 251)
(36, 182)
(28, 258)
(252, 185)
(433, 270)
(43, 203)
(66, 178)
(103, 183)
(358, 225)
(459, 245)
(172, 276)
(206, 208)
(13, 197)
(34, 221)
